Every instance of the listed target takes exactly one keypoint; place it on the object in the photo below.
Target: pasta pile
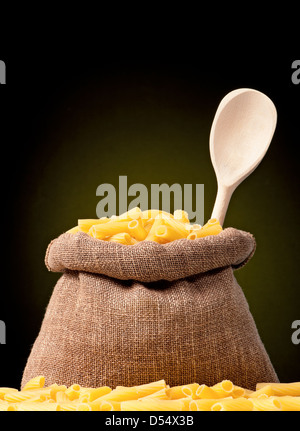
(136, 225)
(155, 396)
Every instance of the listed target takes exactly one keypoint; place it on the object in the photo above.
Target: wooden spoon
(240, 136)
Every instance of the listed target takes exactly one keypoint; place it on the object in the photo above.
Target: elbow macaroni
(135, 226)
(154, 396)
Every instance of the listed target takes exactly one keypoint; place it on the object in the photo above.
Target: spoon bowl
(240, 136)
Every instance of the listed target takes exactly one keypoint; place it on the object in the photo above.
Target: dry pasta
(232, 404)
(177, 392)
(161, 394)
(153, 396)
(85, 224)
(289, 403)
(202, 405)
(266, 404)
(153, 404)
(224, 388)
(146, 389)
(135, 226)
(35, 383)
(205, 392)
(122, 238)
(280, 389)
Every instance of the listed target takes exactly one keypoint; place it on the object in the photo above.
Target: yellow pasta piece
(68, 406)
(177, 392)
(100, 231)
(73, 392)
(289, 403)
(136, 229)
(161, 394)
(266, 404)
(214, 229)
(148, 224)
(121, 394)
(35, 383)
(204, 404)
(238, 392)
(151, 234)
(122, 238)
(176, 225)
(110, 406)
(61, 397)
(206, 392)
(233, 404)
(224, 388)
(168, 233)
(54, 389)
(93, 394)
(192, 230)
(4, 391)
(265, 390)
(18, 396)
(194, 226)
(211, 222)
(34, 406)
(282, 388)
(152, 404)
(150, 388)
(145, 389)
(83, 407)
(39, 398)
(132, 405)
(85, 224)
(191, 389)
(192, 236)
(248, 392)
(5, 406)
(185, 403)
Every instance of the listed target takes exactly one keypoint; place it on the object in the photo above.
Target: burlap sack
(128, 315)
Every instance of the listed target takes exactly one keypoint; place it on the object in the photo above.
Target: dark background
(73, 120)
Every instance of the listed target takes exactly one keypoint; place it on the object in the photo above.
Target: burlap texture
(128, 315)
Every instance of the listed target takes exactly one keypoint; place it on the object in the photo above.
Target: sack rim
(148, 260)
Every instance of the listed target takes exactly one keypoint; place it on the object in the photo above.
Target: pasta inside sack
(136, 225)
(154, 396)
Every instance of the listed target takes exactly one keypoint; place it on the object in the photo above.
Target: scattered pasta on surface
(154, 396)
(136, 225)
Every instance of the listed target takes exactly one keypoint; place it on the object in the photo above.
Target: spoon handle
(221, 203)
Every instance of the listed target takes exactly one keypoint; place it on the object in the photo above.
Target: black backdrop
(72, 119)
